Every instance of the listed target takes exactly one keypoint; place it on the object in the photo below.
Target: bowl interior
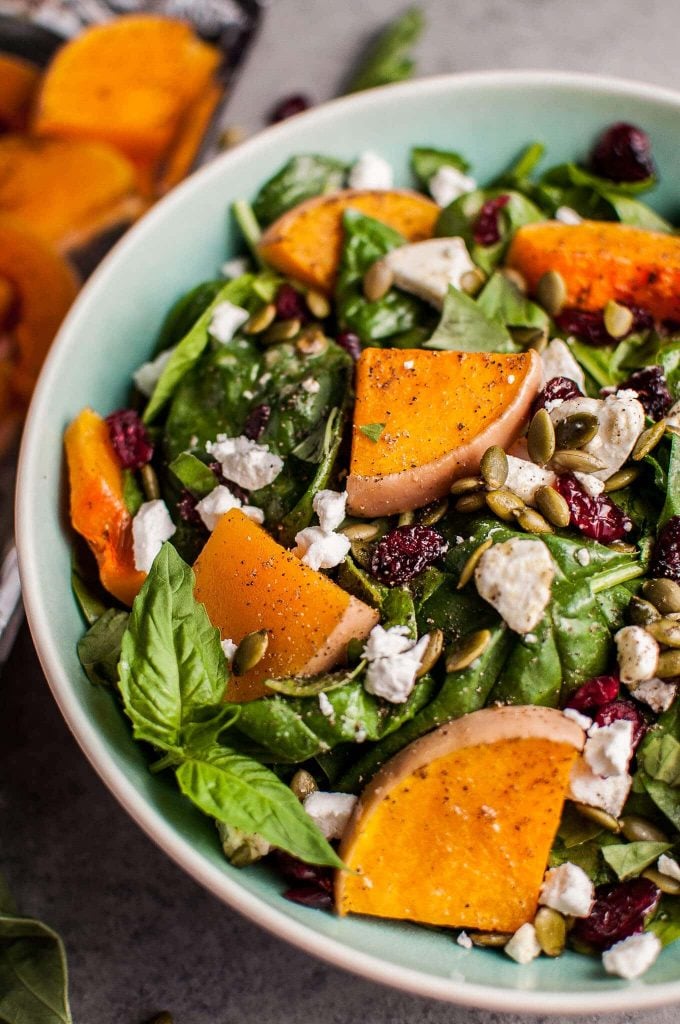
(112, 328)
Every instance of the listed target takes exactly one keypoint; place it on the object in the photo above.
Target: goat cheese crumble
(393, 661)
(148, 374)
(371, 171)
(330, 508)
(567, 889)
(609, 748)
(428, 268)
(515, 577)
(245, 462)
(524, 946)
(558, 361)
(226, 320)
(610, 794)
(151, 527)
(449, 183)
(621, 420)
(524, 478)
(221, 500)
(330, 811)
(319, 549)
(631, 957)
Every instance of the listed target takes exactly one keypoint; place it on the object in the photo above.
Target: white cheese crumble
(524, 478)
(325, 706)
(609, 748)
(581, 720)
(330, 811)
(658, 694)
(668, 866)
(464, 940)
(226, 320)
(638, 654)
(568, 889)
(319, 549)
(565, 215)
(582, 556)
(393, 662)
(610, 794)
(151, 526)
(673, 417)
(245, 462)
(590, 484)
(229, 649)
(330, 508)
(449, 183)
(558, 361)
(148, 374)
(524, 946)
(237, 267)
(221, 500)
(371, 171)
(311, 386)
(632, 956)
(428, 268)
(621, 420)
(515, 577)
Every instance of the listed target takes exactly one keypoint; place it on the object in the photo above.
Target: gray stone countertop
(141, 935)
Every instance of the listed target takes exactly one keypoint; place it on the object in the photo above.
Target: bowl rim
(151, 821)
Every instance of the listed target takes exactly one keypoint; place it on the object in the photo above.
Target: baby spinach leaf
(636, 214)
(517, 175)
(571, 174)
(657, 754)
(458, 219)
(672, 503)
(666, 923)
(501, 301)
(425, 163)
(660, 758)
(306, 686)
(575, 829)
(300, 516)
(193, 474)
(33, 972)
(303, 177)
(588, 856)
(185, 312)
(466, 327)
(246, 795)
(388, 58)
(669, 357)
(352, 578)
(629, 859)
(99, 649)
(90, 595)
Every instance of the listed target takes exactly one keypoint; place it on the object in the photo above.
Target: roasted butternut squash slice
(422, 419)
(456, 829)
(247, 582)
(185, 149)
(18, 82)
(98, 510)
(306, 242)
(66, 191)
(602, 260)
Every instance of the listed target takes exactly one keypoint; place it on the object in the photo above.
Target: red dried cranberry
(562, 388)
(289, 106)
(295, 870)
(586, 324)
(487, 228)
(310, 896)
(186, 506)
(623, 153)
(665, 561)
(594, 693)
(129, 438)
(405, 552)
(596, 517)
(652, 390)
(257, 420)
(620, 910)
(290, 303)
(351, 343)
(626, 711)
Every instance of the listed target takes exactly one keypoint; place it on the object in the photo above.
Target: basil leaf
(629, 859)
(425, 163)
(465, 327)
(660, 759)
(33, 972)
(246, 795)
(501, 301)
(193, 474)
(303, 177)
(388, 58)
(172, 668)
(372, 431)
(99, 650)
(672, 503)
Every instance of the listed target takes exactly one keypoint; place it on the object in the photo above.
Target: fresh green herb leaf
(193, 474)
(244, 215)
(465, 327)
(133, 495)
(99, 649)
(301, 178)
(672, 503)
(588, 856)
(372, 431)
(90, 595)
(570, 174)
(306, 686)
(517, 175)
(502, 302)
(300, 516)
(459, 218)
(388, 59)
(636, 214)
(666, 923)
(629, 859)
(660, 758)
(185, 312)
(426, 162)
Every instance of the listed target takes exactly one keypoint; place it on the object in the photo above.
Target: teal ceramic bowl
(112, 328)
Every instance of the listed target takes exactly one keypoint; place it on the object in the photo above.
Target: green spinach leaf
(666, 923)
(500, 300)
(672, 503)
(425, 163)
(629, 859)
(300, 516)
(193, 474)
(99, 649)
(388, 59)
(458, 219)
(185, 312)
(465, 327)
(303, 177)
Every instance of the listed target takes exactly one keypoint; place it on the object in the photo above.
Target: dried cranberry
(620, 910)
(289, 106)
(313, 884)
(594, 693)
(487, 229)
(652, 390)
(597, 517)
(351, 343)
(129, 438)
(257, 420)
(310, 896)
(290, 303)
(557, 388)
(665, 561)
(586, 324)
(623, 153)
(186, 507)
(405, 552)
(626, 711)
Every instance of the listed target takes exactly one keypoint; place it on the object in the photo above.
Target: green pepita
(261, 320)
(406, 518)
(648, 440)
(551, 931)
(669, 665)
(472, 281)
(361, 552)
(541, 438)
(641, 612)
(250, 651)
(664, 595)
(303, 783)
(571, 460)
(490, 940)
(435, 646)
(433, 513)
(377, 281)
(471, 563)
(470, 503)
(669, 886)
(553, 506)
(466, 485)
(551, 292)
(622, 478)
(150, 484)
(576, 431)
(665, 631)
(318, 304)
(361, 531)
(600, 817)
(494, 467)
(639, 830)
(618, 319)
(282, 330)
(472, 648)
(504, 503)
(532, 521)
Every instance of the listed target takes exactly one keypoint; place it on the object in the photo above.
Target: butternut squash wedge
(247, 582)
(98, 510)
(18, 82)
(601, 260)
(422, 419)
(306, 242)
(456, 829)
(37, 184)
(185, 149)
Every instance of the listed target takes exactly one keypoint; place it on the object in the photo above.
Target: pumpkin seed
(622, 478)
(599, 816)
(648, 440)
(361, 531)
(665, 631)
(639, 830)
(303, 783)
(576, 430)
(504, 503)
(471, 502)
(250, 651)
(472, 281)
(669, 664)
(377, 281)
(318, 304)
(551, 292)
(490, 939)
(514, 277)
(261, 320)
(668, 885)
(152, 489)
(435, 646)
(621, 545)
(541, 438)
(553, 506)
(664, 595)
(471, 563)
(433, 513)
(494, 467)
(472, 648)
(571, 460)
(641, 612)
(551, 931)
(282, 330)
(532, 521)
(406, 518)
(618, 319)
(312, 342)
(466, 485)
(361, 552)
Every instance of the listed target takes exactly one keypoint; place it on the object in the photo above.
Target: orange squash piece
(306, 242)
(44, 287)
(602, 260)
(439, 412)
(18, 82)
(456, 829)
(196, 122)
(248, 582)
(66, 191)
(98, 510)
(128, 82)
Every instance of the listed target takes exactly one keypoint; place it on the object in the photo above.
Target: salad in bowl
(382, 557)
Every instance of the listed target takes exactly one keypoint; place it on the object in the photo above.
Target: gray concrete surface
(141, 936)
